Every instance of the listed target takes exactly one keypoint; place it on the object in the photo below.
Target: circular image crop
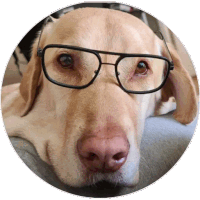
(96, 97)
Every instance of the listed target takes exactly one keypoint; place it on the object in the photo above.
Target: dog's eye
(142, 68)
(65, 60)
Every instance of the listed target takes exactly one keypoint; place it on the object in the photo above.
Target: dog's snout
(103, 155)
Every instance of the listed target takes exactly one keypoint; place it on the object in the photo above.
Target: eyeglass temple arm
(39, 50)
(162, 37)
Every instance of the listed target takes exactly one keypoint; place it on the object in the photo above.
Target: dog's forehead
(103, 29)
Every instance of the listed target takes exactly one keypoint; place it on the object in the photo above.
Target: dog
(94, 134)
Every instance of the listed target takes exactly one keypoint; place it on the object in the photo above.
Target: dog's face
(92, 134)
(102, 116)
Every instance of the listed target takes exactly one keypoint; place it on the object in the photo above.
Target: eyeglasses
(77, 68)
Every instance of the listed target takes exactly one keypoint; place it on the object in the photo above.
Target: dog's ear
(180, 85)
(30, 80)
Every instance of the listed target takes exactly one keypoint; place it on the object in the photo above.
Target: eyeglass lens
(71, 67)
(142, 73)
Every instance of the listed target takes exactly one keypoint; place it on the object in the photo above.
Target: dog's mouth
(110, 185)
(100, 189)
(107, 180)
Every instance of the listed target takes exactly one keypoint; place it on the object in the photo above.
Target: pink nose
(103, 155)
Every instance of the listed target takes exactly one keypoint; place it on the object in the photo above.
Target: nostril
(119, 156)
(91, 156)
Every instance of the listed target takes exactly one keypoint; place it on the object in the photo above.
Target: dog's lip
(104, 184)
(101, 189)
(109, 182)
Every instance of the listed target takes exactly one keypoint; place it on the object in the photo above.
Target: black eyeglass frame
(41, 53)
(96, 53)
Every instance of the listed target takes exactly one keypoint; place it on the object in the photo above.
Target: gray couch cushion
(163, 143)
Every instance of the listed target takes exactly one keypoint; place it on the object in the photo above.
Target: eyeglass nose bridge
(114, 64)
(107, 64)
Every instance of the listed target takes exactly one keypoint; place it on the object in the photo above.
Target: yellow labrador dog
(94, 133)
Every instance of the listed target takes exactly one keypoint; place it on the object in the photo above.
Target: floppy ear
(30, 81)
(180, 85)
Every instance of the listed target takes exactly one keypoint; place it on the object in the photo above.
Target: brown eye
(142, 68)
(65, 60)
